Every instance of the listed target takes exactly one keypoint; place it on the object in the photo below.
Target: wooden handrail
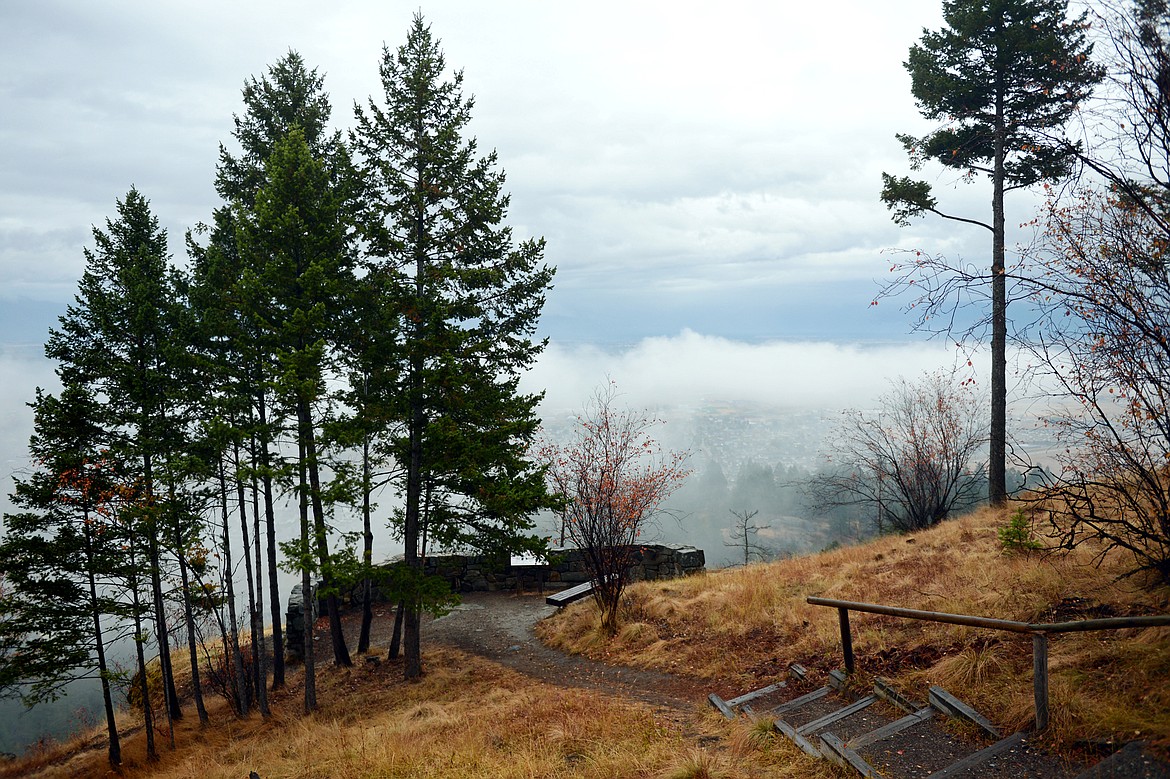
(1039, 632)
(1012, 626)
(929, 616)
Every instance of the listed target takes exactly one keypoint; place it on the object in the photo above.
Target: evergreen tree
(467, 298)
(289, 95)
(61, 557)
(1004, 76)
(121, 342)
(296, 246)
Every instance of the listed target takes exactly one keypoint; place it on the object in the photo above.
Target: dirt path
(498, 626)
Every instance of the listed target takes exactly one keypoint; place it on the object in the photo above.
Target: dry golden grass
(468, 717)
(741, 628)
(737, 629)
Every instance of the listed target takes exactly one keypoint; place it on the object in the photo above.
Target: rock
(294, 622)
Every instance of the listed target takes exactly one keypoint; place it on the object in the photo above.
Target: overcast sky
(706, 175)
(692, 165)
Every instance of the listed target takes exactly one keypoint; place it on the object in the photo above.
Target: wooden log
(883, 689)
(836, 751)
(796, 703)
(839, 714)
(751, 696)
(897, 726)
(964, 765)
(953, 707)
(721, 704)
(797, 739)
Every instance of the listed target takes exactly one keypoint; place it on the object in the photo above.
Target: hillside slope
(740, 628)
(727, 632)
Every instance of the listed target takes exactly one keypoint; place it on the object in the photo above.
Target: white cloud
(675, 145)
(688, 369)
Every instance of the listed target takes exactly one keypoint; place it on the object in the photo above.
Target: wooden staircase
(884, 735)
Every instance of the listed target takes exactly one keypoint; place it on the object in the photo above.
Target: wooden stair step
(837, 751)
(979, 758)
(839, 714)
(796, 738)
(802, 700)
(721, 705)
(813, 710)
(916, 751)
(897, 726)
(883, 689)
(751, 696)
(953, 707)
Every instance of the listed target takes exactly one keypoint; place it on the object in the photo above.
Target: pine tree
(289, 95)
(121, 341)
(61, 558)
(1004, 76)
(296, 246)
(467, 298)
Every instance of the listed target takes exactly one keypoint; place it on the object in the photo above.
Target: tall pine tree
(468, 299)
(289, 95)
(1004, 76)
(61, 555)
(121, 342)
(295, 243)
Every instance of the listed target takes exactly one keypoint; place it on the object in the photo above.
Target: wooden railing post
(1040, 678)
(846, 639)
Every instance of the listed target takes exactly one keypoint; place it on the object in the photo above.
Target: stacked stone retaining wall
(479, 573)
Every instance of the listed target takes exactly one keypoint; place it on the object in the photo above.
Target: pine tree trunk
(270, 524)
(115, 745)
(259, 643)
(231, 638)
(367, 552)
(307, 594)
(340, 650)
(416, 424)
(254, 681)
(396, 639)
(170, 696)
(139, 639)
(189, 618)
(997, 462)
(411, 619)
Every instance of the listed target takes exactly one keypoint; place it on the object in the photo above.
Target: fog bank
(690, 368)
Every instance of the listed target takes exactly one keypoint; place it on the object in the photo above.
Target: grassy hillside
(735, 629)
(740, 628)
(467, 718)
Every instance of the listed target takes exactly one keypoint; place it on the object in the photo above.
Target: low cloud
(689, 369)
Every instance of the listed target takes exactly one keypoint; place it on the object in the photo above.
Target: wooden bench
(570, 595)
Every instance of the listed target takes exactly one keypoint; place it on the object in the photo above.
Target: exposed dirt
(498, 626)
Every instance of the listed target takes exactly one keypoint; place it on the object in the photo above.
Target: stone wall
(652, 561)
(294, 622)
(483, 574)
(477, 573)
